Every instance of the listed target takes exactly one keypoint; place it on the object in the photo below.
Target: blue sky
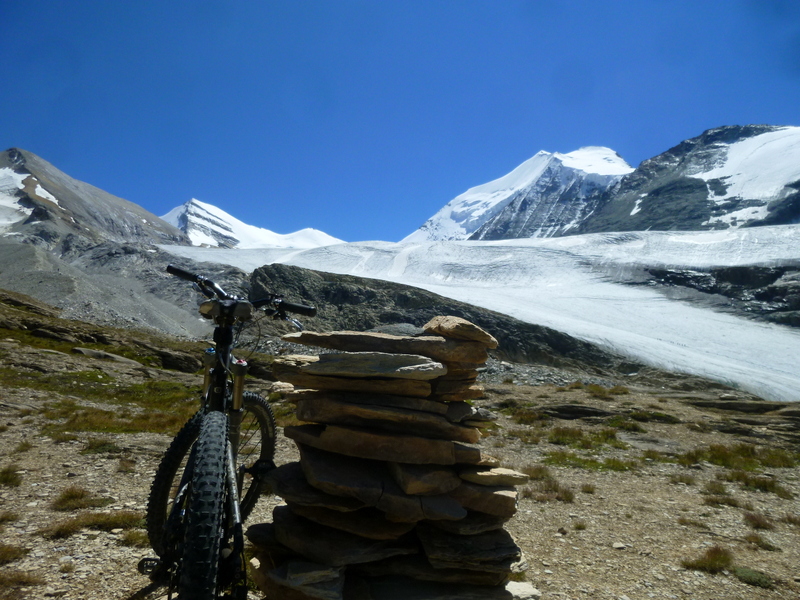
(363, 118)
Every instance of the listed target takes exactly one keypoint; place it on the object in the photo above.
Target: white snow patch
(758, 167)
(10, 209)
(43, 193)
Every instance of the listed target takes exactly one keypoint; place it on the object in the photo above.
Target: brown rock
(417, 567)
(424, 480)
(400, 387)
(367, 522)
(298, 580)
(458, 393)
(370, 482)
(471, 455)
(367, 364)
(438, 348)
(324, 410)
(461, 329)
(473, 523)
(498, 501)
(494, 550)
(289, 482)
(330, 546)
(421, 404)
(496, 476)
(390, 447)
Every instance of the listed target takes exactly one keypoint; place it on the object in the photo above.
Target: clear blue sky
(363, 118)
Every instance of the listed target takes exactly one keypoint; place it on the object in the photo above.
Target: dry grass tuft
(715, 560)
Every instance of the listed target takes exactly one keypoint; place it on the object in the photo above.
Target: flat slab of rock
(362, 443)
(298, 580)
(331, 546)
(494, 550)
(418, 567)
(325, 410)
(438, 348)
(102, 355)
(367, 522)
(497, 501)
(458, 328)
(424, 480)
(400, 387)
(473, 523)
(497, 476)
(405, 588)
(371, 483)
(289, 482)
(421, 404)
(366, 364)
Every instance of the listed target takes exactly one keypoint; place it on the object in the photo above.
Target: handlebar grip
(173, 270)
(300, 309)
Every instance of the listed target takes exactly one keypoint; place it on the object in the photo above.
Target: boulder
(461, 329)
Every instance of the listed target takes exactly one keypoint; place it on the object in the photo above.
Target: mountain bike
(210, 477)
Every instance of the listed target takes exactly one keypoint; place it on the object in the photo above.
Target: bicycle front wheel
(205, 513)
(256, 443)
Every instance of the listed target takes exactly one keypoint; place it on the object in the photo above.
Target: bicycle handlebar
(276, 301)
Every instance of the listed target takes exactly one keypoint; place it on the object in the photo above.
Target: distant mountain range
(736, 176)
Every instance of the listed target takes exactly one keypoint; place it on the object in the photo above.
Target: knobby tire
(257, 441)
(205, 514)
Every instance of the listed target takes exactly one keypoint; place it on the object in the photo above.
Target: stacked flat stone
(391, 492)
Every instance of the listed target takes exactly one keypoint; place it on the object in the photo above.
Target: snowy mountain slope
(530, 201)
(43, 205)
(207, 225)
(736, 176)
(569, 284)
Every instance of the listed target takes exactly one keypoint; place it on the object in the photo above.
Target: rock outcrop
(390, 486)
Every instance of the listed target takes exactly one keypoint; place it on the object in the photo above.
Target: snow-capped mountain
(547, 195)
(207, 225)
(737, 176)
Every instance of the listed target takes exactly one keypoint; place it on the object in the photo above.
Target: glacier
(576, 285)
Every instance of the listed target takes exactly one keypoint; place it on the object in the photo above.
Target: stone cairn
(391, 497)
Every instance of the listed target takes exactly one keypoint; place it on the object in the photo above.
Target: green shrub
(753, 577)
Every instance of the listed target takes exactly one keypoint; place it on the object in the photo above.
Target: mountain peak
(469, 215)
(207, 225)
